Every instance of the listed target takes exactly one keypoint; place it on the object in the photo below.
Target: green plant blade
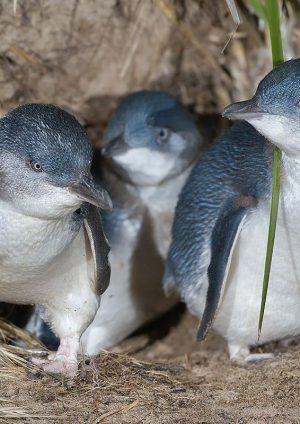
(273, 18)
(272, 11)
(271, 233)
(259, 8)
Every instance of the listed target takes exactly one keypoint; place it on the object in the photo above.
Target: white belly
(135, 295)
(69, 295)
(44, 262)
(238, 316)
(29, 248)
(117, 311)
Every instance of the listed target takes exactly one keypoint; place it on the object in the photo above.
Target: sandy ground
(167, 378)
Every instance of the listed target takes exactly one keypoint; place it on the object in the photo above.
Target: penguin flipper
(100, 248)
(224, 237)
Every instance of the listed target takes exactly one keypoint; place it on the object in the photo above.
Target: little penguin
(219, 237)
(53, 250)
(149, 146)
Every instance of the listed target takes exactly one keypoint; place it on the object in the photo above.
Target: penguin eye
(163, 134)
(35, 166)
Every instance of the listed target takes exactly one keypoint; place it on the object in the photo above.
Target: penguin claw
(58, 365)
(289, 341)
(64, 361)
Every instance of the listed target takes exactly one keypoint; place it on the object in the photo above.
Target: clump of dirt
(169, 380)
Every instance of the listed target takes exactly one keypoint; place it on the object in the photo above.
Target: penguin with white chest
(216, 258)
(151, 144)
(53, 252)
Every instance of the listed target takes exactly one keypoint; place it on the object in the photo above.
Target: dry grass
(111, 374)
(12, 357)
(173, 381)
(169, 10)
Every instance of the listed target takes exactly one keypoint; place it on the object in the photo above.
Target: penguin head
(45, 162)
(151, 137)
(274, 110)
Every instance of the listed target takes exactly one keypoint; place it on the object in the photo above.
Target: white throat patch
(146, 166)
(282, 131)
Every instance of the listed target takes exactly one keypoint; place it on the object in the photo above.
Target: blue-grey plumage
(53, 250)
(223, 237)
(150, 145)
(274, 110)
(236, 167)
(153, 111)
(216, 259)
(155, 134)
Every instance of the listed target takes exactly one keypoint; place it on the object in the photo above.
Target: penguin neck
(166, 192)
(291, 169)
(13, 214)
(121, 187)
(146, 168)
(124, 194)
(132, 199)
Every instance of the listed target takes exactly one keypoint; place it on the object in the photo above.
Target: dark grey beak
(243, 110)
(87, 191)
(114, 147)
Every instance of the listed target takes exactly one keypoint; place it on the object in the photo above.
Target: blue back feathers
(238, 164)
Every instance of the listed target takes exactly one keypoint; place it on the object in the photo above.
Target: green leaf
(271, 234)
(258, 8)
(273, 20)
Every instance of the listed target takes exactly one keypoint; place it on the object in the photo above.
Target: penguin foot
(257, 357)
(289, 341)
(64, 361)
(241, 354)
(57, 366)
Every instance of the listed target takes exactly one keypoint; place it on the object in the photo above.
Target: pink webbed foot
(241, 355)
(64, 361)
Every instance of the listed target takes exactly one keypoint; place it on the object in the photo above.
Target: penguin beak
(245, 110)
(87, 191)
(114, 147)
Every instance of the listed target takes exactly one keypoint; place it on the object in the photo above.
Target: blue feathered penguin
(150, 145)
(216, 259)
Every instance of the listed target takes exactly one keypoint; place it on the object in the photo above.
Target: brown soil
(167, 380)
(85, 55)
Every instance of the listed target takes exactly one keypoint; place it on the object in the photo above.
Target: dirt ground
(85, 54)
(167, 378)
